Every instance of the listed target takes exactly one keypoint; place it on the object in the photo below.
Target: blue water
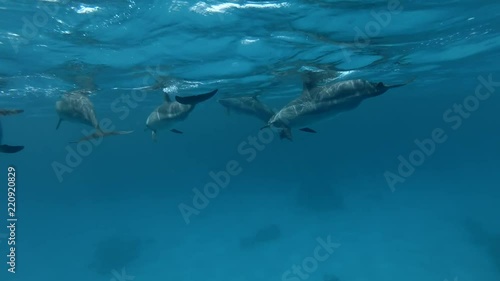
(114, 213)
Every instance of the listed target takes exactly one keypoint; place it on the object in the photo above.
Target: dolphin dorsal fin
(305, 88)
(309, 82)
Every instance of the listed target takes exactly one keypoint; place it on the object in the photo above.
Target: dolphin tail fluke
(193, 100)
(101, 134)
(58, 123)
(10, 148)
(153, 136)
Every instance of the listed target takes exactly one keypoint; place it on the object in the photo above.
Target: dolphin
(170, 112)
(323, 102)
(6, 112)
(249, 105)
(76, 107)
(9, 148)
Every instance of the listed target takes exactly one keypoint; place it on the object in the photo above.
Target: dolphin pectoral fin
(10, 148)
(265, 127)
(308, 130)
(309, 81)
(153, 136)
(176, 131)
(58, 123)
(286, 134)
(193, 100)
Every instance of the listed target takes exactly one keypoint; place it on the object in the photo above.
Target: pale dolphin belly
(316, 112)
(307, 119)
(74, 117)
(156, 122)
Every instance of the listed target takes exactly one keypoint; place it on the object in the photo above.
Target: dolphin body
(76, 107)
(324, 102)
(170, 112)
(6, 112)
(248, 105)
(9, 148)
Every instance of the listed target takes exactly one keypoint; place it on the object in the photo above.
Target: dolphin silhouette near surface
(248, 105)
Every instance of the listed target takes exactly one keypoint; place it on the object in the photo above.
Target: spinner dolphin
(76, 107)
(318, 103)
(171, 112)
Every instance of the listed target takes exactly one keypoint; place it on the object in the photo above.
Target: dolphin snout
(269, 125)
